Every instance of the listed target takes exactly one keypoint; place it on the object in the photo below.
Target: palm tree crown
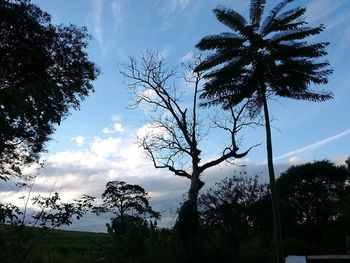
(266, 56)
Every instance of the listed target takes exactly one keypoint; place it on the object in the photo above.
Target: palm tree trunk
(274, 197)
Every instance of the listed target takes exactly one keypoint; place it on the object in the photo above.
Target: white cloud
(117, 127)
(79, 140)
(104, 148)
(294, 160)
(150, 129)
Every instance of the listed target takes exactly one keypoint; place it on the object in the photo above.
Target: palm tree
(260, 59)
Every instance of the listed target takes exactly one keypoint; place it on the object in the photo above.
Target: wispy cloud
(117, 12)
(97, 21)
(165, 52)
(187, 57)
(101, 19)
(314, 146)
(325, 12)
(170, 7)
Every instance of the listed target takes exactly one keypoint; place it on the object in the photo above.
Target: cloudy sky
(97, 143)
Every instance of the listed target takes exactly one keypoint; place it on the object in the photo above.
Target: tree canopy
(124, 199)
(44, 72)
(312, 195)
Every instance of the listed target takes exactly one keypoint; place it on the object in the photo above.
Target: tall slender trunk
(274, 196)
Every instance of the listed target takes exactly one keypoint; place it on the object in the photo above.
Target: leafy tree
(44, 72)
(129, 229)
(312, 198)
(230, 217)
(262, 59)
(230, 205)
(129, 204)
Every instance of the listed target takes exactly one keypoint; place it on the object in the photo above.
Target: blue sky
(97, 143)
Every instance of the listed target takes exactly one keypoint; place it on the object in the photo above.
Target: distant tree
(176, 128)
(129, 204)
(44, 72)
(312, 196)
(262, 59)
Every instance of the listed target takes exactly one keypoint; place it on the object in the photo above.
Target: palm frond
(274, 12)
(223, 40)
(232, 19)
(291, 15)
(296, 34)
(284, 21)
(311, 96)
(297, 50)
(233, 68)
(227, 95)
(220, 57)
(256, 11)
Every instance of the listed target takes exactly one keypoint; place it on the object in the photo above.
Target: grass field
(53, 246)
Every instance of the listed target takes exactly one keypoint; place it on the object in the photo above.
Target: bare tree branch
(173, 135)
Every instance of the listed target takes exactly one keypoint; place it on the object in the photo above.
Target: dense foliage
(44, 72)
(314, 201)
(123, 200)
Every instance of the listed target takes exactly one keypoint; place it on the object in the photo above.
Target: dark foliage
(230, 206)
(313, 200)
(315, 204)
(123, 199)
(230, 218)
(44, 72)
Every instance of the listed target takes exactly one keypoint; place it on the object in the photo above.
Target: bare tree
(175, 127)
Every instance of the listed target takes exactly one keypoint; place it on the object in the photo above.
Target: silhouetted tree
(262, 59)
(129, 204)
(173, 135)
(312, 196)
(230, 215)
(44, 72)
(129, 229)
(230, 205)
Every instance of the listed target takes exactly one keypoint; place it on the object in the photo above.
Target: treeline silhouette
(235, 223)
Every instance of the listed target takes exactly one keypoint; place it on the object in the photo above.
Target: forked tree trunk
(274, 196)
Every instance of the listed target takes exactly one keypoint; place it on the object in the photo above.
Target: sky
(97, 143)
